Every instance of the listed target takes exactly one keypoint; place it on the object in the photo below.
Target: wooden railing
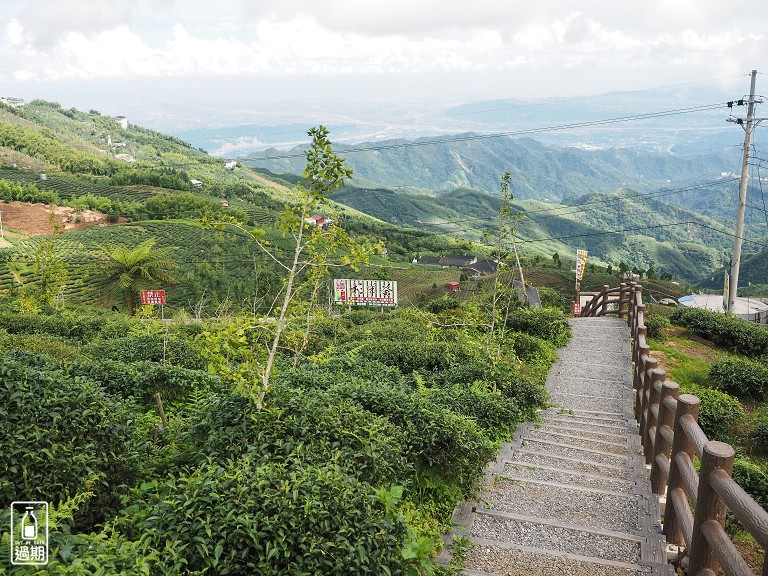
(696, 503)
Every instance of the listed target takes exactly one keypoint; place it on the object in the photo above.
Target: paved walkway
(570, 494)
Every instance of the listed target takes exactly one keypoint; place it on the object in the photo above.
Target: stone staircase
(570, 494)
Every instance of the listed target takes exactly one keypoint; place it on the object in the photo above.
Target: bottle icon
(29, 525)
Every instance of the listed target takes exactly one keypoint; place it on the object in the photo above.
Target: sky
(182, 63)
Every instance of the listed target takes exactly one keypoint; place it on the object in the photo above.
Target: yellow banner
(581, 263)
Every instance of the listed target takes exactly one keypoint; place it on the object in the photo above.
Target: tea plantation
(365, 443)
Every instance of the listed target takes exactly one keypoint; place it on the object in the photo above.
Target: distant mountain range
(545, 172)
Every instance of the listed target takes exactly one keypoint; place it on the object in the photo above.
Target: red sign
(152, 296)
(576, 308)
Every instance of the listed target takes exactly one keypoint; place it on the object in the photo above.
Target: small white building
(123, 121)
(750, 309)
(11, 101)
(196, 183)
(230, 164)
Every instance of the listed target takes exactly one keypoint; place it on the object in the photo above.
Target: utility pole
(733, 284)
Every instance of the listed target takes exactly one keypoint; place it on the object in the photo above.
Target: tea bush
(63, 435)
(449, 444)
(759, 433)
(150, 347)
(655, 323)
(726, 331)
(753, 478)
(547, 324)
(719, 413)
(306, 425)
(741, 377)
(142, 380)
(246, 517)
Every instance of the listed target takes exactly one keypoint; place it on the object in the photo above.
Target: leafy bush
(142, 380)
(146, 347)
(743, 378)
(443, 303)
(655, 323)
(310, 425)
(759, 434)
(246, 517)
(532, 349)
(495, 413)
(753, 478)
(718, 412)
(726, 331)
(61, 436)
(67, 325)
(547, 324)
(449, 444)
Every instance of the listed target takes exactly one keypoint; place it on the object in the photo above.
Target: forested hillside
(539, 171)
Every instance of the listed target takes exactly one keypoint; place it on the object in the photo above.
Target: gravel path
(587, 467)
(579, 442)
(566, 477)
(582, 508)
(578, 467)
(511, 562)
(554, 538)
(577, 453)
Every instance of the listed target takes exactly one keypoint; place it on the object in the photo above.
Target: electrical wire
(522, 132)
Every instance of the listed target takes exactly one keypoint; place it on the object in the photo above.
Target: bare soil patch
(35, 219)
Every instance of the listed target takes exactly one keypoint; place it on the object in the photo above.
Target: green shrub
(146, 347)
(443, 303)
(753, 478)
(451, 445)
(655, 323)
(726, 331)
(310, 425)
(246, 517)
(494, 413)
(532, 349)
(547, 324)
(759, 433)
(62, 436)
(142, 380)
(719, 413)
(741, 377)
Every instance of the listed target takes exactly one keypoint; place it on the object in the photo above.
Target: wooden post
(163, 421)
(654, 394)
(709, 505)
(643, 370)
(604, 294)
(686, 404)
(622, 296)
(634, 291)
(662, 446)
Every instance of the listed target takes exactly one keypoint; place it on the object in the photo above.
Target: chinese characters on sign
(365, 292)
(152, 296)
(29, 533)
(581, 263)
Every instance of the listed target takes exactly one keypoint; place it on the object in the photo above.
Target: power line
(522, 132)
(540, 103)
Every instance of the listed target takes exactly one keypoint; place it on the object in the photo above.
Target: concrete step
(526, 456)
(577, 441)
(588, 507)
(586, 454)
(488, 558)
(556, 536)
(617, 436)
(569, 477)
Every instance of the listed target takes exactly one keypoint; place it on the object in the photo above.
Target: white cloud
(60, 39)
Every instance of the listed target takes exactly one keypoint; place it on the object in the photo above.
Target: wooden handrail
(671, 439)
